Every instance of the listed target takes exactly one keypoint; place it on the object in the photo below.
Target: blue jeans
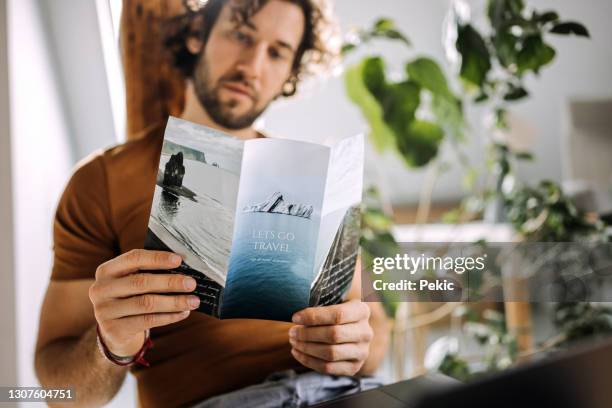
(288, 389)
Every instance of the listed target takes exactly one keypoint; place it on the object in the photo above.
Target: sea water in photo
(271, 266)
(278, 214)
(198, 226)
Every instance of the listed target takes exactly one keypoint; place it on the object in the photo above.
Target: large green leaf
(546, 17)
(570, 27)
(400, 104)
(448, 112)
(420, 142)
(373, 73)
(380, 134)
(535, 54)
(445, 107)
(427, 73)
(390, 108)
(475, 57)
(505, 44)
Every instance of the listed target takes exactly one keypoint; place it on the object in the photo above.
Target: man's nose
(252, 61)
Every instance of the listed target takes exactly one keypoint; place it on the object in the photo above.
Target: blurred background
(63, 96)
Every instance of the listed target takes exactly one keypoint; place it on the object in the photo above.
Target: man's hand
(332, 339)
(126, 302)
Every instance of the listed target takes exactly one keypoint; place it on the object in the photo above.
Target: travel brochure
(266, 226)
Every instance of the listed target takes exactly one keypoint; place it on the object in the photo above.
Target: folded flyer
(266, 226)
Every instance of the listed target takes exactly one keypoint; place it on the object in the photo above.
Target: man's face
(243, 68)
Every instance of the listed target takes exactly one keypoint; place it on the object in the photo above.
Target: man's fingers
(333, 352)
(135, 260)
(137, 324)
(146, 304)
(327, 367)
(347, 312)
(140, 283)
(336, 334)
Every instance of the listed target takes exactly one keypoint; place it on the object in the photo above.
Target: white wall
(73, 32)
(42, 159)
(60, 112)
(8, 361)
(582, 69)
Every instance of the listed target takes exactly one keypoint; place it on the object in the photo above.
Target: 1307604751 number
(35, 394)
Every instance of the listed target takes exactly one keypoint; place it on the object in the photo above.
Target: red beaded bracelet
(137, 358)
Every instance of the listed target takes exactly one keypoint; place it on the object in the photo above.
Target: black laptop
(580, 378)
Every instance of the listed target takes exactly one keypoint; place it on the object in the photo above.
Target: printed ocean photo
(195, 197)
(271, 268)
(277, 225)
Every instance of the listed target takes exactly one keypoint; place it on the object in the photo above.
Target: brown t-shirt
(103, 212)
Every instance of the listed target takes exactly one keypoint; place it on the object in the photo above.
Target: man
(243, 55)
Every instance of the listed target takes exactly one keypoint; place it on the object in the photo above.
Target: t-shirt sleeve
(83, 236)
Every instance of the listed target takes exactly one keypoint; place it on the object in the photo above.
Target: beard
(222, 112)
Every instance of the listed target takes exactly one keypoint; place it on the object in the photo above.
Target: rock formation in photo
(276, 204)
(174, 171)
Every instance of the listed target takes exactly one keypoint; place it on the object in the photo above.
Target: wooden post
(154, 89)
(419, 339)
(518, 322)
(413, 337)
(399, 341)
(517, 307)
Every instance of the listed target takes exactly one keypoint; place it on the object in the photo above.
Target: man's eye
(275, 54)
(242, 37)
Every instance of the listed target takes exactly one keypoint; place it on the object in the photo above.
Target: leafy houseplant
(393, 108)
(411, 115)
(415, 114)
(394, 111)
(493, 68)
(540, 214)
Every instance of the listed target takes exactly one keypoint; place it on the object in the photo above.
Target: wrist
(123, 348)
(124, 360)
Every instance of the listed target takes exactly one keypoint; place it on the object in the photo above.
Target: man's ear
(194, 44)
(289, 87)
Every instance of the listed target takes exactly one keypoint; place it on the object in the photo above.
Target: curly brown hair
(318, 51)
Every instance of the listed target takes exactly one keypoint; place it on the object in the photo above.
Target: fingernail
(189, 283)
(293, 332)
(174, 258)
(194, 302)
(297, 319)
